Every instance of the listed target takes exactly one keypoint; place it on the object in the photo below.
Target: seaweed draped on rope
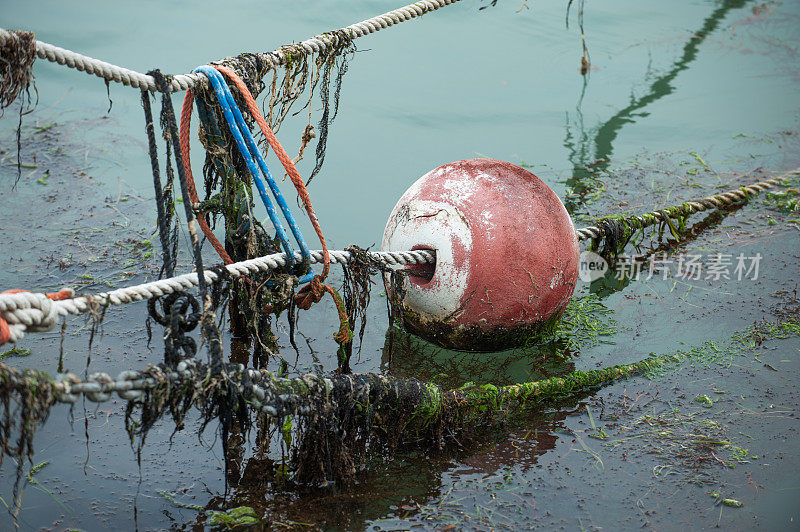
(304, 76)
(330, 423)
(618, 231)
(17, 55)
(337, 419)
(228, 184)
(26, 398)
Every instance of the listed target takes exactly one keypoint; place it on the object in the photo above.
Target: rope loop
(175, 311)
(21, 310)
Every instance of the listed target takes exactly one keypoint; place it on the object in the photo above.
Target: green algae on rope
(619, 230)
(616, 231)
(338, 419)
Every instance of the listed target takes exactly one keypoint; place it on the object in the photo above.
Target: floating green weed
(239, 516)
(740, 344)
(43, 180)
(15, 352)
(727, 501)
(167, 495)
(787, 201)
(700, 160)
(733, 503)
(705, 401)
(38, 467)
(585, 323)
(740, 454)
(36, 484)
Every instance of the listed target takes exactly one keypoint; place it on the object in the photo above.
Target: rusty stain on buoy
(506, 255)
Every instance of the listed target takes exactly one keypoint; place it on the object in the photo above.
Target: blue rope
(243, 149)
(249, 149)
(241, 224)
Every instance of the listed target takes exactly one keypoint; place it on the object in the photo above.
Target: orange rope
(5, 332)
(186, 120)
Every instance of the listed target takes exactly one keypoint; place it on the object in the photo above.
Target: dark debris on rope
(17, 55)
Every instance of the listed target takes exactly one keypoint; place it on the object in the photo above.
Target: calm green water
(717, 79)
(457, 84)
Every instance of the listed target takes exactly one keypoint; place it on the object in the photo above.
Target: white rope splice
(35, 312)
(184, 82)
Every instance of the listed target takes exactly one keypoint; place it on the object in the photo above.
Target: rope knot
(310, 293)
(22, 311)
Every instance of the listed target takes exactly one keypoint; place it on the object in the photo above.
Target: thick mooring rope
(278, 397)
(279, 57)
(687, 208)
(338, 417)
(29, 311)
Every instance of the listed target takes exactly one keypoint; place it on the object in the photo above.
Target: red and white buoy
(506, 255)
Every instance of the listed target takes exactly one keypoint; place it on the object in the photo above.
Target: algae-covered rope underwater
(338, 418)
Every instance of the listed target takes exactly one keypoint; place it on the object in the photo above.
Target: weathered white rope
(184, 82)
(716, 201)
(35, 312)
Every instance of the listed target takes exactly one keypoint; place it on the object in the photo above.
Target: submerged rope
(279, 57)
(606, 226)
(340, 417)
(278, 397)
